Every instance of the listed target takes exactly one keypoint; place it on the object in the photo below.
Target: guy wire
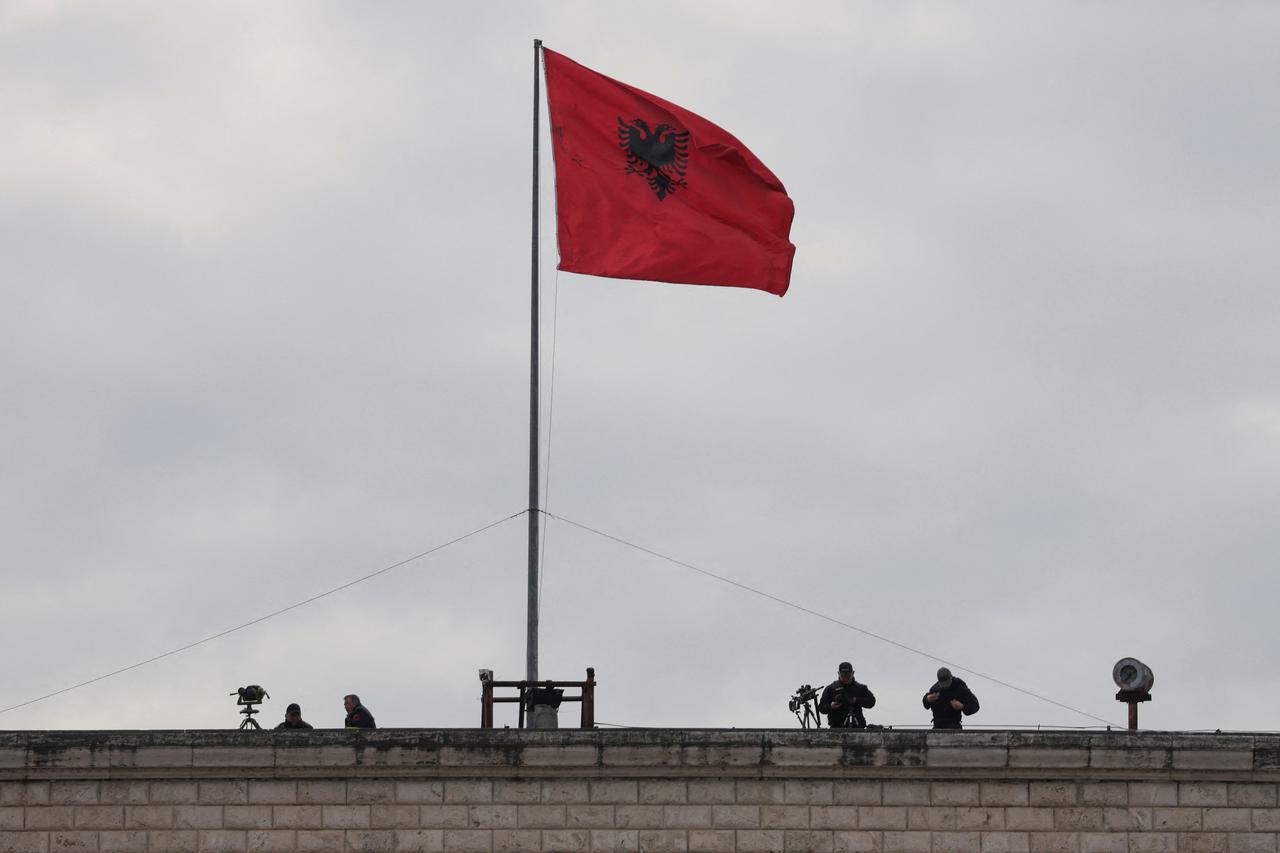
(270, 615)
(825, 617)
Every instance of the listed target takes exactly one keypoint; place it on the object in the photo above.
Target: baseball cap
(845, 666)
(293, 708)
(944, 678)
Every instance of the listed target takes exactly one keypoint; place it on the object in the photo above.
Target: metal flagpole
(531, 639)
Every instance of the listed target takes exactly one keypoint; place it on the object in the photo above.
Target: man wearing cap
(949, 698)
(293, 718)
(843, 700)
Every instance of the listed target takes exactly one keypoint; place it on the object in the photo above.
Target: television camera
(250, 697)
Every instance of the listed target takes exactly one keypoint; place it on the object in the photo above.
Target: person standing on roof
(949, 698)
(358, 716)
(843, 700)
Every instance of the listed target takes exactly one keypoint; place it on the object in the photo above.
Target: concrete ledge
(727, 753)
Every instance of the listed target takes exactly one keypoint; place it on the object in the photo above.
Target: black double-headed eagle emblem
(660, 156)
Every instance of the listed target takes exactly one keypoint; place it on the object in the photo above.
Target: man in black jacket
(843, 700)
(948, 698)
(358, 716)
(293, 719)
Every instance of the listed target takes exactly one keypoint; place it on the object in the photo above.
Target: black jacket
(302, 724)
(853, 698)
(360, 718)
(944, 716)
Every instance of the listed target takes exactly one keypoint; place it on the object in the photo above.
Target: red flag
(648, 190)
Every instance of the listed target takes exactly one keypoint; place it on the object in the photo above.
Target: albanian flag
(648, 190)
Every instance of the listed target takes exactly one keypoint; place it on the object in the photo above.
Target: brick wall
(638, 790)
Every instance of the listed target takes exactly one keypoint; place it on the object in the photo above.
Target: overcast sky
(264, 276)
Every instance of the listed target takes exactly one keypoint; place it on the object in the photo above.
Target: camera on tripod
(804, 704)
(250, 697)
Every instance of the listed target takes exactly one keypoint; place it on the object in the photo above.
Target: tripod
(249, 722)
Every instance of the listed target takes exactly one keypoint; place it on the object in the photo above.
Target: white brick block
(1202, 793)
(322, 792)
(272, 792)
(74, 794)
(269, 841)
(420, 840)
(517, 840)
(346, 817)
(712, 841)
(224, 792)
(174, 840)
(122, 841)
(492, 816)
(736, 817)
(565, 791)
(1052, 794)
(246, 817)
(297, 817)
(468, 840)
(371, 840)
(957, 842)
(615, 840)
(1227, 820)
(857, 842)
(71, 841)
(95, 817)
(402, 816)
(818, 792)
(941, 818)
(757, 791)
(197, 817)
(468, 791)
(784, 817)
(1082, 819)
(1033, 819)
(1006, 842)
(983, 818)
(567, 840)
(148, 817)
(953, 794)
(907, 842)
(614, 791)
(638, 817)
(223, 841)
(598, 816)
(663, 791)
(1004, 794)
(808, 841)
(906, 794)
(1107, 842)
(541, 817)
(433, 792)
(1055, 842)
(321, 840)
(711, 792)
(1176, 820)
(833, 817)
(882, 817)
(1153, 793)
(1255, 794)
(372, 791)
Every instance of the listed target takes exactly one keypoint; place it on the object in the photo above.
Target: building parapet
(669, 753)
